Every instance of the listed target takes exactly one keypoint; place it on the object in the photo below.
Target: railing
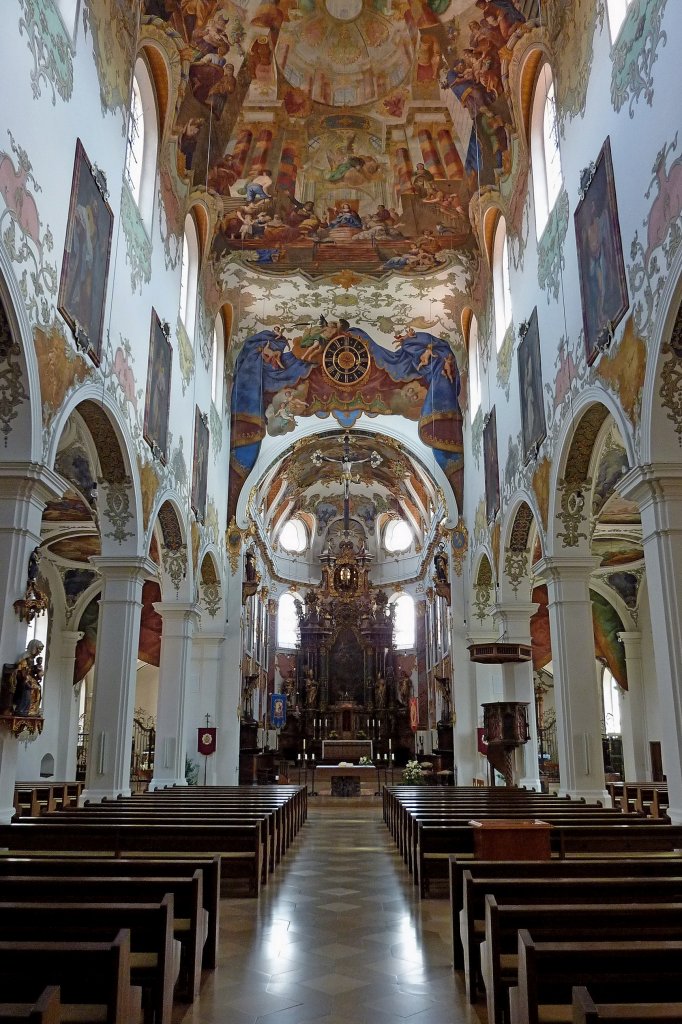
(548, 753)
(142, 756)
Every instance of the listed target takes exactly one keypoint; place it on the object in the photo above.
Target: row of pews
(34, 798)
(650, 798)
(429, 826)
(124, 924)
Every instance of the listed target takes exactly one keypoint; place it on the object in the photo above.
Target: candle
(368, 723)
(313, 757)
(389, 744)
(304, 744)
(326, 722)
(298, 758)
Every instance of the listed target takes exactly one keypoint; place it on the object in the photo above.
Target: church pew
(556, 923)
(94, 977)
(45, 1010)
(80, 867)
(612, 971)
(189, 921)
(659, 867)
(523, 891)
(153, 963)
(586, 1011)
(239, 846)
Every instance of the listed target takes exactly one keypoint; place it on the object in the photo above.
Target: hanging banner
(414, 714)
(206, 740)
(278, 710)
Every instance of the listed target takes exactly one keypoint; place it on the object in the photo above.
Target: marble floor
(339, 936)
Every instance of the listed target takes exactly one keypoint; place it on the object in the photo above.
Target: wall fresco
(635, 53)
(50, 47)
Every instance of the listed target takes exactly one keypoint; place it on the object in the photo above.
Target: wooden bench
(45, 1010)
(586, 1011)
(189, 922)
(562, 891)
(94, 977)
(613, 972)
(154, 965)
(562, 923)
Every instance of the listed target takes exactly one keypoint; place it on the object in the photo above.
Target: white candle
(368, 723)
(389, 744)
(304, 744)
(313, 757)
(326, 722)
(298, 758)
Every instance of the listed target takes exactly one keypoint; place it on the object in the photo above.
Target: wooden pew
(612, 971)
(45, 1010)
(562, 923)
(152, 954)
(583, 868)
(189, 922)
(94, 977)
(80, 867)
(562, 891)
(586, 1011)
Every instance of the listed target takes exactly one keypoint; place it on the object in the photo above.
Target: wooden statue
(20, 689)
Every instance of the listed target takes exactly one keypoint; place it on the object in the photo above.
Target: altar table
(366, 776)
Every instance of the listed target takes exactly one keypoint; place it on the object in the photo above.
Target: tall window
(617, 10)
(611, 702)
(287, 621)
(404, 621)
(142, 145)
(397, 536)
(544, 147)
(474, 369)
(218, 363)
(501, 286)
(189, 272)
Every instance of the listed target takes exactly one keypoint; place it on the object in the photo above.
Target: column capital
(652, 482)
(71, 635)
(22, 480)
(632, 641)
(124, 567)
(178, 612)
(566, 567)
(514, 619)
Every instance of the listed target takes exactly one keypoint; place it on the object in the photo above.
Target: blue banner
(278, 710)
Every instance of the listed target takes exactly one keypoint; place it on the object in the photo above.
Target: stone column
(464, 707)
(25, 489)
(581, 762)
(657, 489)
(517, 683)
(65, 761)
(179, 623)
(230, 687)
(208, 657)
(113, 700)
(632, 711)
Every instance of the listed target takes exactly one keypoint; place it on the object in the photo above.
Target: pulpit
(505, 724)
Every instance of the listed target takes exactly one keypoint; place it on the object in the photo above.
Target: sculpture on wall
(21, 687)
(310, 689)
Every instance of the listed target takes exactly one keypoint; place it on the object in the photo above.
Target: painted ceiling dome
(344, 54)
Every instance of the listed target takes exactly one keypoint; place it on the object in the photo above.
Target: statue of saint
(310, 689)
(380, 692)
(404, 688)
(21, 683)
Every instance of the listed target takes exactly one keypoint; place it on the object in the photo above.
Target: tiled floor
(338, 936)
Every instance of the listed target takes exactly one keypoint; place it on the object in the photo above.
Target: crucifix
(346, 462)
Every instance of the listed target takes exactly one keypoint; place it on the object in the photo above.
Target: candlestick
(313, 757)
(368, 723)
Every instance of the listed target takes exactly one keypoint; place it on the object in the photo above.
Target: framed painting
(603, 286)
(492, 473)
(85, 267)
(157, 402)
(200, 465)
(533, 422)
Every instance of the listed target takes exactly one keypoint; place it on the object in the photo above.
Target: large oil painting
(492, 472)
(533, 423)
(200, 466)
(603, 286)
(85, 268)
(158, 390)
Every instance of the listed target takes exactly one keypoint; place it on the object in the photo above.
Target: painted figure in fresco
(258, 187)
(188, 139)
(421, 179)
(347, 217)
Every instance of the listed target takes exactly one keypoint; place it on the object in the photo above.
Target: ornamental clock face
(346, 360)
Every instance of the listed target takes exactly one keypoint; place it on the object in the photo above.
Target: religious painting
(200, 467)
(603, 286)
(85, 267)
(533, 424)
(492, 473)
(158, 390)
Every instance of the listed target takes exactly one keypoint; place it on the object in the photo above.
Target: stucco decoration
(460, 546)
(138, 245)
(477, 436)
(210, 587)
(571, 25)
(670, 390)
(173, 548)
(216, 431)
(113, 25)
(663, 227)
(635, 53)
(512, 467)
(623, 372)
(571, 371)
(504, 359)
(118, 369)
(50, 48)
(480, 523)
(516, 568)
(540, 485)
(117, 511)
(12, 390)
(185, 355)
(22, 233)
(572, 513)
(483, 589)
(551, 261)
(60, 370)
(149, 487)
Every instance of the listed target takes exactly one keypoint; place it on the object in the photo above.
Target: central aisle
(338, 936)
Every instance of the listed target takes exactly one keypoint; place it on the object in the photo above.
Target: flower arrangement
(361, 734)
(333, 735)
(413, 774)
(365, 760)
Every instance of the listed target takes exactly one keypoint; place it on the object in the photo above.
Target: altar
(346, 750)
(345, 780)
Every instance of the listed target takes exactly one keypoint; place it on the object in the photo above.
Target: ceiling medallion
(346, 360)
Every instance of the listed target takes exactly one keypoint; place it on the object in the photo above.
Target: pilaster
(517, 684)
(632, 710)
(179, 623)
(65, 763)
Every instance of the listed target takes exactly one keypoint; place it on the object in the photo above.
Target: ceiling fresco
(336, 134)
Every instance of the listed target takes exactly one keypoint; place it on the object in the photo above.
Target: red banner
(414, 714)
(206, 740)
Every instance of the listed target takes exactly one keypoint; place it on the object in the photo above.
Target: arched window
(218, 363)
(404, 621)
(293, 537)
(617, 10)
(189, 272)
(143, 141)
(544, 147)
(397, 536)
(287, 621)
(474, 369)
(501, 287)
(611, 702)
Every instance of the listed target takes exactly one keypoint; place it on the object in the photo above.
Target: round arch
(24, 431)
(661, 427)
